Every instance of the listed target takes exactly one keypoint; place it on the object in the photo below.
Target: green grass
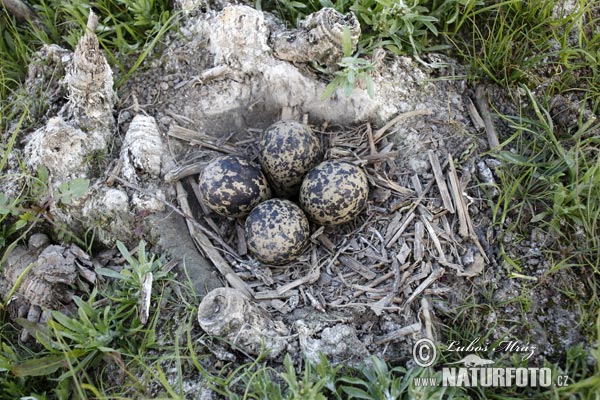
(523, 42)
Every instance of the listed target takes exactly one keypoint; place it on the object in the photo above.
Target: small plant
(379, 383)
(106, 328)
(132, 276)
(396, 25)
(310, 387)
(353, 71)
(72, 190)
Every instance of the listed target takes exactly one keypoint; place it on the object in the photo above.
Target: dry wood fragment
(181, 119)
(326, 242)
(459, 268)
(372, 147)
(407, 220)
(367, 289)
(422, 274)
(461, 208)
(417, 202)
(274, 294)
(242, 248)
(403, 254)
(287, 113)
(441, 182)
(184, 171)
(426, 311)
(434, 276)
(438, 291)
(208, 248)
(409, 266)
(416, 182)
(434, 238)
(316, 233)
(407, 330)
(441, 232)
(475, 117)
(145, 295)
(418, 243)
(357, 267)
(314, 261)
(381, 131)
(200, 139)
(389, 184)
(314, 302)
(447, 230)
(484, 111)
(374, 283)
(388, 298)
(370, 158)
(198, 193)
(465, 210)
(393, 226)
(310, 278)
(115, 170)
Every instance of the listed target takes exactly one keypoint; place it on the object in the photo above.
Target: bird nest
(373, 277)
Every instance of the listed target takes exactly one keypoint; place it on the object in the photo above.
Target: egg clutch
(277, 230)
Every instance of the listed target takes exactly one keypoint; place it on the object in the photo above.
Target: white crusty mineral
(39, 278)
(338, 343)
(63, 149)
(227, 313)
(142, 149)
(90, 83)
(239, 38)
(67, 144)
(320, 38)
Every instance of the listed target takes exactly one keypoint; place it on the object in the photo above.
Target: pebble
(533, 261)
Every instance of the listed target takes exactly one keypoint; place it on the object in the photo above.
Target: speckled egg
(287, 151)
(334, 192)
(277, 231)
(232, 186)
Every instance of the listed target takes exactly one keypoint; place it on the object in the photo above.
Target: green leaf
(72, 190)
(352, 380)
(297, 4)
(347, 42)
(330, 89)
(4, 364)
(356, 393)
(348, 88)
(66, 322)
(125, 253)
(19, 224)
(42, 173)
(109, 273)
(370, 86)
(351, 77)
(5, 209)
(39, 366)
